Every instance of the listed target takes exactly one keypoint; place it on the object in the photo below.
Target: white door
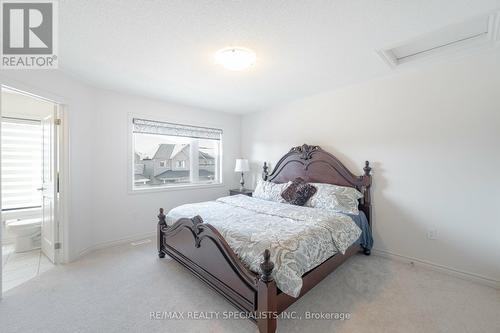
(49, 185)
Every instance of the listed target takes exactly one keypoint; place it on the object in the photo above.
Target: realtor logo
(29, 34)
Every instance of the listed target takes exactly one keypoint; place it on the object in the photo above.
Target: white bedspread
(299, 238)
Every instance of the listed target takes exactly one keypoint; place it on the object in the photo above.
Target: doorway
(31, 138)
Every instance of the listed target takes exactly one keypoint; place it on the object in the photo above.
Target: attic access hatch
(478, 32)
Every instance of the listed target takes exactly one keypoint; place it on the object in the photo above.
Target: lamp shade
(241, 165)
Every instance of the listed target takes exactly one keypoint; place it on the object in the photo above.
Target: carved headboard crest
(305, 151)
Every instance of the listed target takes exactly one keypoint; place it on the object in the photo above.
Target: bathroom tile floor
(21, 267)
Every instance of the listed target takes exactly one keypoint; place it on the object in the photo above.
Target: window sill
(21, 209)
(175, 188)
(22, 213)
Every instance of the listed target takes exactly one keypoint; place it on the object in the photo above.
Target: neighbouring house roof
(180, 148)
(138, 156)
(168, 151)
(182, 174)
(164, 152)
(206, 156)
(140, 179)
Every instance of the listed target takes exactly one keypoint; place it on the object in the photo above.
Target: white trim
(485, 41)
(114, 243)
(439, 268)
(197, 186)
(496, 27)
(62, 254)
(1, 218)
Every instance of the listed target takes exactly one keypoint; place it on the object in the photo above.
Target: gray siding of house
(183, 155)
(159, 169)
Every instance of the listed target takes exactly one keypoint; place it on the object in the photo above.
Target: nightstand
(238, 191)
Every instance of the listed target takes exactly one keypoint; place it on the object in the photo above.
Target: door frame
(62, 254)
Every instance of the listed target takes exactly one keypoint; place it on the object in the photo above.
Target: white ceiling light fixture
(235, 58)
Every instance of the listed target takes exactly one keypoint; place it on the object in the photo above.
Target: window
(21, 163)
(167, 154)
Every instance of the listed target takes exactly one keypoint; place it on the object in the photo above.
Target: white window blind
(21, 163)
(163, 128)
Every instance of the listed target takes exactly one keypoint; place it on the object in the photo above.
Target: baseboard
(113, 243)
(440, 268)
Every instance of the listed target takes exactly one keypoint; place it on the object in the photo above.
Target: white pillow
(337, 198)
(269, 191)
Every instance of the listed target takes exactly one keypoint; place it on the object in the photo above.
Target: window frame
(170, 187)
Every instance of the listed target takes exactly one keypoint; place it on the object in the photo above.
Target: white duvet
(299, 238)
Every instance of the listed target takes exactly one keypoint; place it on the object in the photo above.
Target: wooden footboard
(201, 248)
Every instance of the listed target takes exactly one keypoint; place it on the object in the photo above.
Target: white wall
(433, 139)
(119, 214)
(102, 210)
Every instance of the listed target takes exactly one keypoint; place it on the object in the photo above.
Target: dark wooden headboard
(315, 165)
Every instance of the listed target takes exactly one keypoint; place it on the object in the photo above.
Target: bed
(248, 251)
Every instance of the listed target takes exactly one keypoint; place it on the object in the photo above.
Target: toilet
(26, 233)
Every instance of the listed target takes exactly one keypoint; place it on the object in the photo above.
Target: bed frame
(200, 247)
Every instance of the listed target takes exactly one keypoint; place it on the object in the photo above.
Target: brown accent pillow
(289, 193)
(299, 192)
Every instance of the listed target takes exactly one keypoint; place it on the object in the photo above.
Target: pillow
(269, 191)
(337, 198)
(289, 193)
(298, 192)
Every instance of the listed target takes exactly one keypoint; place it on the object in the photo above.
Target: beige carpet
(114, 290)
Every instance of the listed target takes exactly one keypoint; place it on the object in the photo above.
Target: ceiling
(164, 48)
